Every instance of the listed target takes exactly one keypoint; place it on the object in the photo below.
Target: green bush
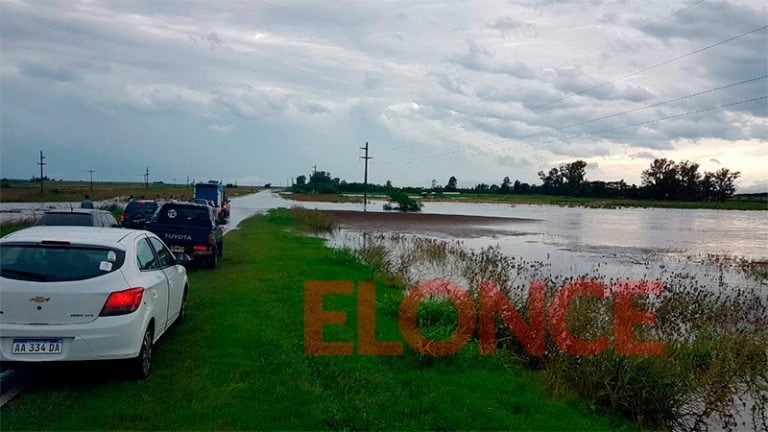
(404, 202)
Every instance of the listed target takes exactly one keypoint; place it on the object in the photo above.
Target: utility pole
(314, 169)
(91, 172)
(41, 163)
(365, 182)
(146, 179)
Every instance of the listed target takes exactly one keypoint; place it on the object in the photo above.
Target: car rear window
(185, 215)
(66, 219)
(57, 263)
(140, 207)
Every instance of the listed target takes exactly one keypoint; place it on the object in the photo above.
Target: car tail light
(199, 247)
(122, 218)
(211, 239)
(123, 302)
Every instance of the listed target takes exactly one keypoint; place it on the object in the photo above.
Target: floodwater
(627, 243)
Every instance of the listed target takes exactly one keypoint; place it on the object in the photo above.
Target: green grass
(9, 227)
(238, 363)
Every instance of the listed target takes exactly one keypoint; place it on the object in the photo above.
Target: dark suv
(137, 213)
(78, 217)
(190, 229)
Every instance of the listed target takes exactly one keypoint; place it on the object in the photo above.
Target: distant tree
(481, 188)
(267, 185)
(434, 184)
(320, 177)
(301, 180)
(520, 188)
(573, 175)
(388, 185)
(723, 183)
(452, 183)
(552, 181)
(661, 178)
(688, 178)
(707, 186)
(505, 188)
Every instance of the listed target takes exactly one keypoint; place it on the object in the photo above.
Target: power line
(500, 93)
(595, 119)
(601, 85)
(642, 123)
(345, 168)
(645, 27)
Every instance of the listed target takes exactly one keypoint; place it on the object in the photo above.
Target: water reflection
(621, 243)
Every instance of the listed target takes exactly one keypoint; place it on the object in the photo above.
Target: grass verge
(238, 363)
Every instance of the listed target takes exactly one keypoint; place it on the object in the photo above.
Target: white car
(85, 293)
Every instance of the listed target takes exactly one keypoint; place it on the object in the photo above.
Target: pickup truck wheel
(213, 259)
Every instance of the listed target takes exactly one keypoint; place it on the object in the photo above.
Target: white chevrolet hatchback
(84, 293)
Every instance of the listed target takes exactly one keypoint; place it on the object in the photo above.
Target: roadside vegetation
(9, 227)
(70, 191)
(237, 362)
(714, 369)
(665, 184)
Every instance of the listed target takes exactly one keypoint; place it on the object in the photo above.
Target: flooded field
(709, 246)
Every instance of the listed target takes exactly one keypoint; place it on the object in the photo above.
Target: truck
(191, 229)
(214, 192)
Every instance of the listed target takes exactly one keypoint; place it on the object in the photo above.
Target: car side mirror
(183, 259)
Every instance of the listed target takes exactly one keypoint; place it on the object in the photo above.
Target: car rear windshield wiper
(23, 273)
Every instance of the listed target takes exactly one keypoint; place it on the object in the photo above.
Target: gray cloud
(280, 86)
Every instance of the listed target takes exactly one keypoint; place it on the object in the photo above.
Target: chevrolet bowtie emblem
(39, 299)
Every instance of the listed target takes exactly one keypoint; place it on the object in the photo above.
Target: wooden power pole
(41, 163)
(365, 181)
(91, 172)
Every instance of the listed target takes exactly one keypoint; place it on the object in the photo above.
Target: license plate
(177, 249)
(37, 346)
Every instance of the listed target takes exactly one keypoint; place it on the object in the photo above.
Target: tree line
(664, 180)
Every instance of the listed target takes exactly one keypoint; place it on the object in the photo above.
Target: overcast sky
(260, 91)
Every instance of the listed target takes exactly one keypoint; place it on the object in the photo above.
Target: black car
(78, 217)
(138, 212)
(191, 229)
